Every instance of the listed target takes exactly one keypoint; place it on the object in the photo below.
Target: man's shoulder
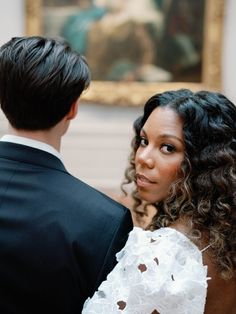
(82, 204)
(50, 175)
(91, 195)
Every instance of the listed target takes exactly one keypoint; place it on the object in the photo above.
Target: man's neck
(49, 136)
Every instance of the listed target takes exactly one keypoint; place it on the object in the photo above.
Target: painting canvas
(145, 40)
(140, 46)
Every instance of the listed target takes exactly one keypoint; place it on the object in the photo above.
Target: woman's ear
(73, 110)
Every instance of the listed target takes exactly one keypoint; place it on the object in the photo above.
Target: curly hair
(205, 193)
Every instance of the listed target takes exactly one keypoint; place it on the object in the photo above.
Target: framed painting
(137, 48)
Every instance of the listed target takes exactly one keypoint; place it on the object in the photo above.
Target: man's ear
(73, 110)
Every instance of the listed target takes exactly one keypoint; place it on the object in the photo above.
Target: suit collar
(30, 155)
(30, 142)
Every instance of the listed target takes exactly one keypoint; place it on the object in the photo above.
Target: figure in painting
(77, 26)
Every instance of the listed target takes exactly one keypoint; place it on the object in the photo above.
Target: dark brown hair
(40, 78)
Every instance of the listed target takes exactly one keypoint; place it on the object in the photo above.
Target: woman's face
(159, 154)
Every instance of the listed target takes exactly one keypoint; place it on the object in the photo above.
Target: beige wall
(11, 19)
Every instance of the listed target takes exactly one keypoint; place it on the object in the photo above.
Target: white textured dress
(158, 271)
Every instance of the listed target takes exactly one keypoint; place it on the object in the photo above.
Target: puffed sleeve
(157, 272)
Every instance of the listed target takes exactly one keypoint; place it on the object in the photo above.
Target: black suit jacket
(58, 236)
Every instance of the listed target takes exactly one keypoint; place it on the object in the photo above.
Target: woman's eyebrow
(165, 135)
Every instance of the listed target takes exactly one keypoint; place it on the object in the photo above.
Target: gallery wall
(12, 19)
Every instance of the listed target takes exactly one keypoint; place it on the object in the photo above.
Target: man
(58, 236)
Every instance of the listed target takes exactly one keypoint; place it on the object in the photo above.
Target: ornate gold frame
(136, 93)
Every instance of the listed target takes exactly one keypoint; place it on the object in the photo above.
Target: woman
(183, 163)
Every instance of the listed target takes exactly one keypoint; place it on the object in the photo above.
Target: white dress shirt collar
(31, 143)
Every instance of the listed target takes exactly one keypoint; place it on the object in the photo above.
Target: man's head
(40, 79)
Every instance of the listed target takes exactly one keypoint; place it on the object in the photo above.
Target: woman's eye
(167, 148)
(143, 141)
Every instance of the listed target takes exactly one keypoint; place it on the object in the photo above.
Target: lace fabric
(158, 271)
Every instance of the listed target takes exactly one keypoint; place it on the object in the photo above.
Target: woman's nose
(145, 158)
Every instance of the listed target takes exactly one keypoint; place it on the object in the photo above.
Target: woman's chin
(148, 197)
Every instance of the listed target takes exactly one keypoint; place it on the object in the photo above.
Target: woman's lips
(143, 181)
